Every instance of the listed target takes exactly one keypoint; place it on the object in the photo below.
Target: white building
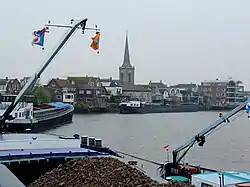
(113, 87)
(68, 98)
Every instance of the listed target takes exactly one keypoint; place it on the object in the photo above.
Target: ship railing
(58, 114)
(55, 110)
(48, 110)
(52, 113)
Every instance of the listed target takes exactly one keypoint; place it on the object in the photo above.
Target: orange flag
(95, 41)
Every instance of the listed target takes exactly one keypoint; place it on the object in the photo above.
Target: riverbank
(98, 172)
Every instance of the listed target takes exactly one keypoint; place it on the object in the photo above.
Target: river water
(145, 135)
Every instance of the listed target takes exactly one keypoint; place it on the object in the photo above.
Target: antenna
(81, 26)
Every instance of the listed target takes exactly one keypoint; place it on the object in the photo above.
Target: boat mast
(81, 24)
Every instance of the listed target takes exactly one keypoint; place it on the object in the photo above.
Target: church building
(127, 79)
(126, 70)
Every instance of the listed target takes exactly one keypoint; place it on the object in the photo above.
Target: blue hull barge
(137, 107)
(40, 118)
(29, 156)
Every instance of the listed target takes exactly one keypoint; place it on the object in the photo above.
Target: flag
(95, 41)
(248, 105)
(166, 147)
(39, 37)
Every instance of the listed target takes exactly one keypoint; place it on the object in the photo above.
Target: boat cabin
(217, 179)
(23, 110)
(136, 104)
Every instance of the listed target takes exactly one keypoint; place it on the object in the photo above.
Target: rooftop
(62, 82)
(138, 88)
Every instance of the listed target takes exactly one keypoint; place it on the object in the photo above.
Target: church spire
(126, 59)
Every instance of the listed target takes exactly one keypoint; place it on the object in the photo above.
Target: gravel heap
(97, 172)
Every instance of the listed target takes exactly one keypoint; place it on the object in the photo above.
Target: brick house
(137, 92)
(223, 92)
(10, 86)
(89, 91)
(61, 90)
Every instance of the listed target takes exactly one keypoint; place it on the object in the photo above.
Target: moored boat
(221, 178)
(28, 117)
(137, 107)
(28, 156)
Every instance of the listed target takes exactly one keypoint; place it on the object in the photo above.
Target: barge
(137, 107)
(27, 117)
(25, 157)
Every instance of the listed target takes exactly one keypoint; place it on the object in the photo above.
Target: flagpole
(167, 156)
(93, 45)
(69, 26)
(166, 147)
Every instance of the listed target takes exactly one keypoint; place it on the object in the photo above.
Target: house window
(91, 83)
(67, 96)
(121, 76)
(81, 91)
(16, 115)
(97, 92)
(218, 89)
(218, 94)
(58, 96)
(118, 90)
(53, 85)
(172, 92)
(20, 114)
(88, 92)
(129, 77)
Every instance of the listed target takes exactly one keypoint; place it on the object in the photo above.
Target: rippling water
(145, 136)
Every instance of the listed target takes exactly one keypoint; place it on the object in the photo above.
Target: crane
(175, 167)
(79, 24)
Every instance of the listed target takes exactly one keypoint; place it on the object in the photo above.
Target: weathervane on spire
(40, 34)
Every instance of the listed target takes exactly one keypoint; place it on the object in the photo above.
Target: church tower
(126, 70)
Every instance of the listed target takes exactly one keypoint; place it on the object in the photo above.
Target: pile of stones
(98, 172)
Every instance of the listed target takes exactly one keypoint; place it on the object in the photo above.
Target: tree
(41, 94)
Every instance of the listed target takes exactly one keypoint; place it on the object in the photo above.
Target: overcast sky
(177, 41)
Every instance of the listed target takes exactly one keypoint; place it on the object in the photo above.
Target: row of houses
(95, 90)
(214, 93)
(90, 88)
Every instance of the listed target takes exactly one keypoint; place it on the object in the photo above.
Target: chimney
(110, 78)
(6, 78)
(160, 81)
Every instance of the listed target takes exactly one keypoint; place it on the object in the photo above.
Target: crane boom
(32, 81)
(204, 132)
